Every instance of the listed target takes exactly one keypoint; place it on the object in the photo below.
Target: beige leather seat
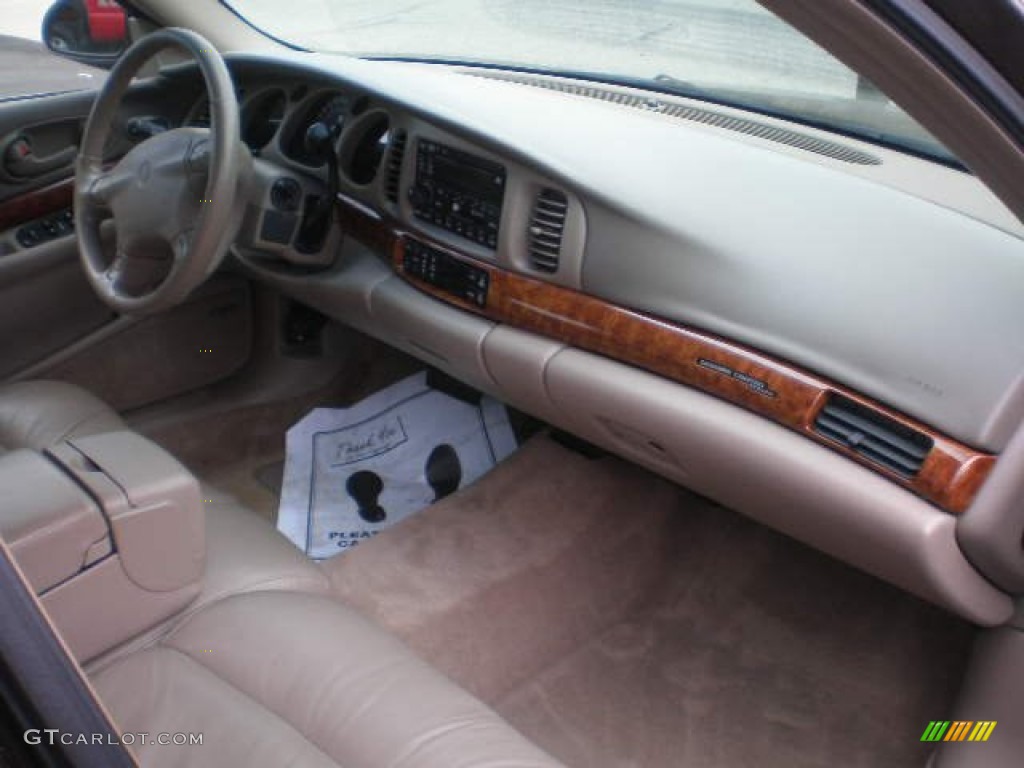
(274, 672)
(264, 663)
(38, 414)
(284, 679)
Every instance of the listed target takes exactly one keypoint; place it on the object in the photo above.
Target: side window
(59, 45)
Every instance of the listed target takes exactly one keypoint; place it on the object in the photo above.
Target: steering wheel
(171, 198)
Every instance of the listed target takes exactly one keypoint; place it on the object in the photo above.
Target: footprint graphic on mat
(365, 487)
(443, 471)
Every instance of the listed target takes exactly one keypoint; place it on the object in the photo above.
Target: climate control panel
(441, 270)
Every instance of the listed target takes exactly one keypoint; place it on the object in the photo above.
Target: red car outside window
(106, 20)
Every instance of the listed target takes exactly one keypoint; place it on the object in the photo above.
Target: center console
(109, 531)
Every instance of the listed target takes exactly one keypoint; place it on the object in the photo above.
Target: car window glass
(733, 52)
(55, 46)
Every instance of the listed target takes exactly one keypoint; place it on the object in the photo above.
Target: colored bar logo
(958, 730)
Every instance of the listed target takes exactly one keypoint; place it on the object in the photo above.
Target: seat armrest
(54, 529)
(154, 512)
(152, 502)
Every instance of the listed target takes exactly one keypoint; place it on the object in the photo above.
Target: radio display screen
(486, 184)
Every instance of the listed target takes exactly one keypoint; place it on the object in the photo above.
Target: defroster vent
(547, 226)
(876, 437)
(394, 166)
(667, 105)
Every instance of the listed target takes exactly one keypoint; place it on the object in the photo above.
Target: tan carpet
(619, 621)
(756, 651)
(247, 481)
(221, 440)
(493, 583)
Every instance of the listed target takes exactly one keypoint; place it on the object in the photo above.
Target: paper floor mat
(352, 472)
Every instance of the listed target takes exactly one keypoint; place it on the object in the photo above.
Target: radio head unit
(458, 192)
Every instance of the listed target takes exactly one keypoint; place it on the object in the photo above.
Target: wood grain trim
(35, 204)
(365, 225)
(952, 472)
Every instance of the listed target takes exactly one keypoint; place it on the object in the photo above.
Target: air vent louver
(547, 225)
(666, 106)
(875, 437)
(394, 168)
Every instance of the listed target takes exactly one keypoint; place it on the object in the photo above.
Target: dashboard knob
(417, 197)
(286, 195)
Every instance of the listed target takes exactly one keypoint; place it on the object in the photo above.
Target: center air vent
(877, 438)
(394, 167)
(547, 225)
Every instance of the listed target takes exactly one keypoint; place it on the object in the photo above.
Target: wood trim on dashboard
(952, 472)
(36, 204)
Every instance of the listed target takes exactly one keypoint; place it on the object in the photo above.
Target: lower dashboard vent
(547, 225)
(394, 168)
(876, 437)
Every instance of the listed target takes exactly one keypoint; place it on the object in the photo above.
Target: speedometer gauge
(262, 117)
(199, 116)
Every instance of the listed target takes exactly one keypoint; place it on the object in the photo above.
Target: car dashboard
(816, 331)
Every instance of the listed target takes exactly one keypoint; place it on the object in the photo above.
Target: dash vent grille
(877, 438)
(722, 120)
(547, 226)
(394, 167)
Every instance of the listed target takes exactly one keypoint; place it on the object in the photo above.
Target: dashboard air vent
(874, 436)
(547, 225)
(394, 168)
(665, 106)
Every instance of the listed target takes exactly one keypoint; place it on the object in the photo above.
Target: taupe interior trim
(110, 330)
(51, 526)
(992, 531)
(760, 469)
(991, 691)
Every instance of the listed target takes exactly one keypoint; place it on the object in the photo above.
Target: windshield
(732, 51)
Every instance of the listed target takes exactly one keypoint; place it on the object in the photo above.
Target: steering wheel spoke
(104, 188)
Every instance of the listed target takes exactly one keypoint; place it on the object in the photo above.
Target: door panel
(202, 341)
(24, 208)
(45, 303)
(27, 154)
(52, 125)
